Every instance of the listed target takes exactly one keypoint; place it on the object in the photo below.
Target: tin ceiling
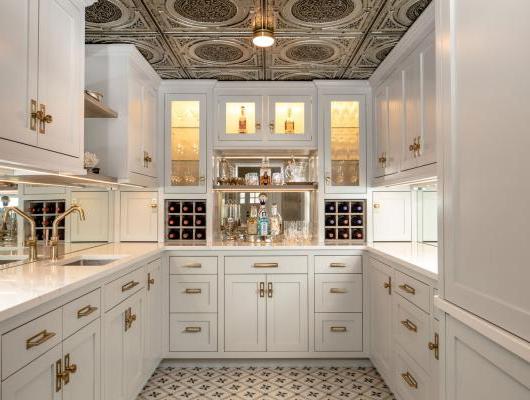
(202, 39)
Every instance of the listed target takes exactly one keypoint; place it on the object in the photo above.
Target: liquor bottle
(200, 207)
(187, 220)
(357, 207)
(344, 234)
(265, 177)
(199, 220)
(187, 207)
(344, 207)
(173, 220)
(357, 234)
(264, 223)
(173, 234)
(330, 220)
(187, 234)
(330, 234)
(330, 207)
(173, 207)
(289, 122)
(276, 221)
(357, 220)
(200, 234)
(242, 127)
(252, 221)
(344, 220)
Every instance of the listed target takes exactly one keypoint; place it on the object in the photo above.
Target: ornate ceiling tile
(399, 15)
(327, 51)
(374, 50)
(117, 15)
(171, 73)
(355, 73)
(226, 74)
(302, 75)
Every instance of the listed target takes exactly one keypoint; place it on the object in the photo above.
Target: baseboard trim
(279, 362)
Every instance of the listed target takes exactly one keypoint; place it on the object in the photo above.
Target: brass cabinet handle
(60, 376)
(265, 265)
(85, 311)
(262, 289)
(269, 289)
(271, 126)
(388, 285)
(192, 265)
(435, 346)
(71, 368)
(129, 319)
(382, 159)
(258, 126)
(411, 326)
(193, 291)
(407, 377)
(42, 117)
(407, 289)
(129, 286)
(33, 115)
(337, 290)
(193, 329)
(39, 338)
(328, 180)
(337, 329)
(147, 159)
(150, 281)
(337, 265)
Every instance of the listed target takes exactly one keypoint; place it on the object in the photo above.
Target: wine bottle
(344, 220)
(199, 220)
(173, 207)
(173, 234)
(344, 207)
(187, 220)
(330, 234)
(357, 234)
(173, 220)
(187, 234)
(187, 207)
(252, 221)
(200, 207)
(200, 234)
(357, 207)
(330, 207)
(344, 234)
(330, 220)
(357, 220)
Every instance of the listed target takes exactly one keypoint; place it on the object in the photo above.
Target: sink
(90, 261)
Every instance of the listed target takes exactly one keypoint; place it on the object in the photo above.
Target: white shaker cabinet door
(412, 110)
(153, 318)
(245, 313)
(287, 320)
(82, 349)
(395, 122)
(381, 131)
(427, 151)
(139, 216)
(95, 228)
(392, 219)
(149, 129)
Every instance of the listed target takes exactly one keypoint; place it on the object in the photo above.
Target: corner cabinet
(42, 68)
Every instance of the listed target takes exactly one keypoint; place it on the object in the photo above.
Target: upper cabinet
(42, 67)
(126, 145)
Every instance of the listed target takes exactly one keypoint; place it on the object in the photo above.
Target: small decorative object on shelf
(185, 220)
(345, 220)
(90, 162)
(265, 173)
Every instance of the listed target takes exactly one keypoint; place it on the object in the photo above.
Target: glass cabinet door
(239, 117)
(345, 147)
(186, 153)
(290, 117)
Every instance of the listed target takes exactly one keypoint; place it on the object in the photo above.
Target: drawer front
(27, 342)
(120, 289)
(266, 264)
(81, 312)
(338, 264)
(193, 265)
(412, 330)
(193, 293)
(412, 383)
(192, 332)
(338, 332)
(413, 290)
(338, 293)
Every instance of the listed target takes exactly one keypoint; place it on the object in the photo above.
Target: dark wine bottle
(344, 220)
(330, 234)
(187, 220)
(357, 207)
(187, 207)
(173, 207)
(200, 234)
(187, 234)
(357, 234)
(343, 207)
(173, 234)
(330, 207)
(173, 220)
(200, 220)
(357, 220)
(344, 234)
(200, 207)
(330, 220)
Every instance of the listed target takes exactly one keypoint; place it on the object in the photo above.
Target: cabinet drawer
(193, 332)
(193, 293)
(192, 265)
(338, 293)
(412, 383)
(412, 330)
(338, 332)
(413, 290)
(118, 290)
(29, 341)
(338, 264)
(81, 312)
(266, 264)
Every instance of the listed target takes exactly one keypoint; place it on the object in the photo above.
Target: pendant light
(263, 31)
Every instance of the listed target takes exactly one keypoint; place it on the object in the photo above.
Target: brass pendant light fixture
(263, 30)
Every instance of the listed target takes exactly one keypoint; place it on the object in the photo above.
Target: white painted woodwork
(193, 293)
(287, 314)
(417, 292)
(380, 138)
(266, 264)
(404, 364)
(338, 293)
(36, 380)
(193, 332)
(395, 122)
(427, 153)
(338, 332)
(84, 350)
(478, 368)
(193, 265)
(484, 134)
(391, 215)
(119, 289)
(149, 130)
(307, 134)
(139, 216)
(81, 311)
(435, 363)
(95, 228)
(153, 318)
(338, 264)
(260, 127)
(412, 109)
(245, 313)
(380, 299)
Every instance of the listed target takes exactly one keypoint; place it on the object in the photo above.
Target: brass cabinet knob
(435, 346)
(258, 126)
(271, 126)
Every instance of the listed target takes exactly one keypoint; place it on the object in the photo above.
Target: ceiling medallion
(218, 52)
(322, 11)
(207, 11)
(102, 12)
(310, 52)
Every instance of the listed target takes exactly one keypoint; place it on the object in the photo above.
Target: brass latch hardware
(262, 289)
(407, 289)
(85, 311)
(129, 319)
(129, 285)
(71, 368)
(40, 116)
(39, 339)
(147, 159)
(269, 289)
(407, 377)
(388, 285)
(60, 375)
(33, 115)
(410, 325)
(435, 346)
(150, 281)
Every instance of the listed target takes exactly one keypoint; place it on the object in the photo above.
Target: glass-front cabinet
(240, 117)
(290, 117)
(186, 143)
(345, 147)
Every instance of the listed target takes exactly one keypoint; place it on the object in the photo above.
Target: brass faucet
(54, 240)
(31, 242)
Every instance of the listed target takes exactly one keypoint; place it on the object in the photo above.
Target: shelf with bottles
(185, 220)
(345, 220)
(44, 212)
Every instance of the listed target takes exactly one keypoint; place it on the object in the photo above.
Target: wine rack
(345, 220)
(185, 220)
(44, 212)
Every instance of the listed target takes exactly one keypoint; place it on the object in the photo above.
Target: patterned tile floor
(359, 383)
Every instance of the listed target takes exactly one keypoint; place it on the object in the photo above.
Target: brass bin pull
(193, 291)
(388, 285)
(407, 289)
(193, 265)
(39, 338)
(337, 290)
(129, 319)
(337, 265)
(337, 329)
(129, 286)
(193, 329)
(407, 377)
(150, 281)
(85, 311)
(410, 325)
(262, 289)
(269, 289)
(435, 346)
(71, 368)
(265, 265)
(60, 376)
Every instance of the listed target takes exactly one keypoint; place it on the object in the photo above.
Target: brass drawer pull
(407, 289)
(337, 329)
(410, 325)
(269, 289)
(337, 265)
(39, 339)
(262, 289)
(265, 265)
(388, 285)
(435, 346)
(150, 281)
(129, 319)
(129, 285)
(407, 377)
(192, 329)
(337, 290)
(193, 291)
(85, 311)
(192, 265)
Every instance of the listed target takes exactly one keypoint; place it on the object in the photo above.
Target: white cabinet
(42, 73)
(138, 216)
(153, 320)
(395, 122)
(380, 136)
(392, 216)
(96, 226)
(126, 144)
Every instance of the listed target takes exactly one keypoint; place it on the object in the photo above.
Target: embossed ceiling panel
(212, 39)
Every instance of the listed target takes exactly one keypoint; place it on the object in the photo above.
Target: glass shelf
(267, 189)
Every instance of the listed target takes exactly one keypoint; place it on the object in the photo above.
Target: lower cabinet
(153, 320)
(139, 216)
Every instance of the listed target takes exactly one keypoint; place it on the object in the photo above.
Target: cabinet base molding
(268, 355)
(190, 362)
